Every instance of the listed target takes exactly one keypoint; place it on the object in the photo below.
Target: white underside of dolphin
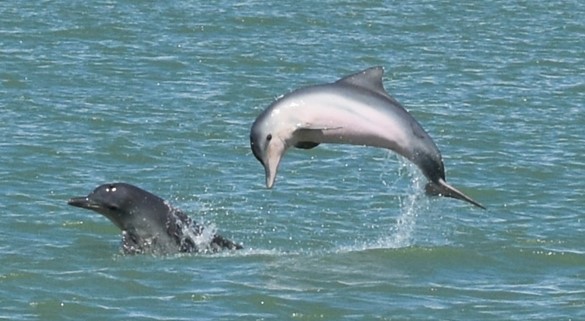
(353, 110)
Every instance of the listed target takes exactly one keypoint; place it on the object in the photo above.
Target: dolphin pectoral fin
(311, 136)
(306, 145)
(441, 188)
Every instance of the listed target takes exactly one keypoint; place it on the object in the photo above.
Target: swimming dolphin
(353, 110)
(148, 223)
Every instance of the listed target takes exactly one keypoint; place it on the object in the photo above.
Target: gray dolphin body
(148, 223)
(353, 110)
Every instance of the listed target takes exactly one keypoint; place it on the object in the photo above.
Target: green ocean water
(162, 95)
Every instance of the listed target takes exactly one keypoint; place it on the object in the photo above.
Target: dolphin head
(269, 141)
(119, 202)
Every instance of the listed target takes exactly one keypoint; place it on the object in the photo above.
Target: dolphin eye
(269, 137)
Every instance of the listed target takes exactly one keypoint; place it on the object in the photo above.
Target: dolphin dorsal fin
(370, 79)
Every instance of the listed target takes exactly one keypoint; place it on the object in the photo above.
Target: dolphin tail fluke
(441, 188)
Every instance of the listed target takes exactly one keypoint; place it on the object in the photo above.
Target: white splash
(410, 182)
(410, 206)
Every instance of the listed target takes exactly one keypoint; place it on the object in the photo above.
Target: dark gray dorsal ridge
(370, 79)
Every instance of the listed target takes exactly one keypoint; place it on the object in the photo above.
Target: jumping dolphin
(148, 223)
(353, 110)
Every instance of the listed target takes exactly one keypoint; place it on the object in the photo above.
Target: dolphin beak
(79, 202)
(82, 202)
(271, 168)
(274, 154)
(270, 177)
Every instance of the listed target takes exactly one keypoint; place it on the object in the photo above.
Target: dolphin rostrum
(353, 110)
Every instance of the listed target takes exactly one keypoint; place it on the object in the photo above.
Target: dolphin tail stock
(441, 188)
